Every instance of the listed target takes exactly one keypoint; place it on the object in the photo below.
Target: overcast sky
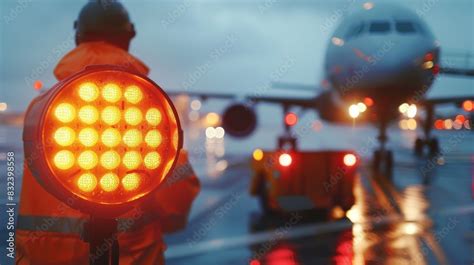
(179, 38)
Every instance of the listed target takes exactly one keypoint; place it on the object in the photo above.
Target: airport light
(428, 65)
(411, 111)
(354, 111)
(368, 5)
(457, 125)
(448, 124)
(257, 154)
(196, 104)
(439, 124)
(403, 108)
(350, 160)
(468, 105)
(285, 160)
(105, 137)
(291, 119)
(369, 102)
(461, 118)
(3, 106)
(337, 41)
(212, 119)
(411, 124)
(362, 107)
(37, 85)
(211, 132)
(220, 132)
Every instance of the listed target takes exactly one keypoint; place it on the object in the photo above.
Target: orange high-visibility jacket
(49, 231)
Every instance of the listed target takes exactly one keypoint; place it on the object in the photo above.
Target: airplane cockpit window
(379, 27)
(355, 31)
(405, 27)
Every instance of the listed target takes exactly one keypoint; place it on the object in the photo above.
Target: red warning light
(460, 118)
(37, 85)
(291, 119)
(439, 124)
(429, 57)
(254, 262)
(368, 101)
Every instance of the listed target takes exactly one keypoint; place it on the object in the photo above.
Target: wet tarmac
(423, 215)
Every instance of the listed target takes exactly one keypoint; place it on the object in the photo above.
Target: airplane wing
(202, 95)
(295, 86)
(456, 71)
(446, 100)
(304, 102)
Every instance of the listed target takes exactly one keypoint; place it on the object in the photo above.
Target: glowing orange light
(109, 137)
(131, 181)
(467, 105)
(88, 91)
(258, 154)
(460, 118)
(87, 182)
(285, 159)
(37, 85)
(65, 112)
(368, 101)
(350, 160)
(109, 182)
(439, 124)
(291, 119)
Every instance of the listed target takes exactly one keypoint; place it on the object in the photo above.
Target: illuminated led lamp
(93, 175)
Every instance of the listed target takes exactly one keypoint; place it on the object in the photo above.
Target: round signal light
(65, 112)
(350, 160)
(64, 136)
(257, 154)
(88, 91)
(88, 114)
(153, 138)
(133, 94)
(285, 160)
(291, 119)
(109, 137)
(109, 182)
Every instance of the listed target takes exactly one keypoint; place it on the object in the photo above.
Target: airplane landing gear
(383, 159)
(431, 142)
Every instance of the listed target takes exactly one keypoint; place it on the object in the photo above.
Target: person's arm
(173, 199)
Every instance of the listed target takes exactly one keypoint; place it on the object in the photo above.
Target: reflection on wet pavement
(403, 220)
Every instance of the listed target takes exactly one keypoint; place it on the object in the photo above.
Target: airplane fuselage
(384, 52)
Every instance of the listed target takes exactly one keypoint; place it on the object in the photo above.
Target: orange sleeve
(172, 201)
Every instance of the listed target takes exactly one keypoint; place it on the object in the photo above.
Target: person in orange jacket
(50, 231)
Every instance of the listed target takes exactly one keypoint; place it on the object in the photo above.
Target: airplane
(379, 57)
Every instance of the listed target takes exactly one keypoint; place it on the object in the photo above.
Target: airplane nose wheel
(383, 159)
(432, 144)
